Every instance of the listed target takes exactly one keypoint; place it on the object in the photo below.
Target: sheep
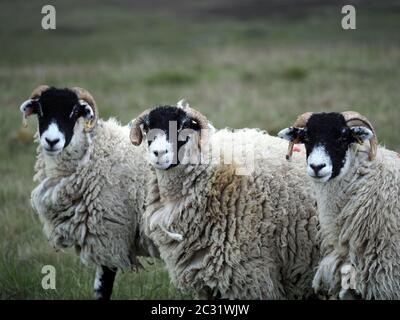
(357, 187)
(231, 229)
(90, 191)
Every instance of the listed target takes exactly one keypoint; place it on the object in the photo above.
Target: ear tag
(24, 120)
(88, 124)
(359, 141)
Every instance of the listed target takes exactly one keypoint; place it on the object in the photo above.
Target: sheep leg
(209, 294)
(327, 279)
(205, 294)
(103, 284)
(348, 284)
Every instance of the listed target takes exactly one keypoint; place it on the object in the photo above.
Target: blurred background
(242, 63)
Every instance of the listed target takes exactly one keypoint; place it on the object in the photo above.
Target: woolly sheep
(227, 230)
(90, 193)
(357, 189)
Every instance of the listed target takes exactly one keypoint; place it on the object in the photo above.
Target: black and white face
(57, 111)
(327, 140)
(170, 133)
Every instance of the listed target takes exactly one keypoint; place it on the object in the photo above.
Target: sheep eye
(39, 114)
(342, 136)
(38, 110)
(75, 112)
(305, 138)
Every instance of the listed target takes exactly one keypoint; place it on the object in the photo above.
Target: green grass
(241, 73)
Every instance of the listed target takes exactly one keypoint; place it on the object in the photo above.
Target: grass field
(241, 66)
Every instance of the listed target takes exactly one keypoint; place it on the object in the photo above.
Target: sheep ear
(28, 108)
(361, 133)
(86, 110)
(291, 134)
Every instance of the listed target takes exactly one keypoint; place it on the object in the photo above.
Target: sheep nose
(52, 143)
(160, 153)
(317, 167)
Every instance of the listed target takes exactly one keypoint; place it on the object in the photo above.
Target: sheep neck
(176, 182)
(335, 197)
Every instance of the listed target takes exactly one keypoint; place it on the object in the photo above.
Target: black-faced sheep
(91, 183)
(357, 187)
(231, 219)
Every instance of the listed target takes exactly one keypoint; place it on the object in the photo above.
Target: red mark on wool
(297, 149)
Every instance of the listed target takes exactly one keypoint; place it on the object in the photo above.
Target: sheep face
(327, 139)
(57, 111)
(171, 136)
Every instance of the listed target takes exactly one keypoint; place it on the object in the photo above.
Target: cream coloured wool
(92, 195)
(360, 223)
(237, 236)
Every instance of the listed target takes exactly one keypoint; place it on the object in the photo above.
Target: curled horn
(301, 122)
(355, 119)
(83, 94)
(201, 120)
(136, 133)
(38, 92)
(35, 95)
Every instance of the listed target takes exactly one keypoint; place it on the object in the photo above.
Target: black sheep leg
(103, 284)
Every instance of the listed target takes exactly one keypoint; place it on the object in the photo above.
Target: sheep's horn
(83, 94)
(136, 135)
(301, 122)
(356, 119)
(38, 91)
(202, 121)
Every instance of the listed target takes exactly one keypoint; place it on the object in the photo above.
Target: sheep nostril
(52, 142)
(318, 167)
(160, 153)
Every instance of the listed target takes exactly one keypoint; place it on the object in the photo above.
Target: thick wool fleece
(92, 196)
(237, 237)
(360, 225)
